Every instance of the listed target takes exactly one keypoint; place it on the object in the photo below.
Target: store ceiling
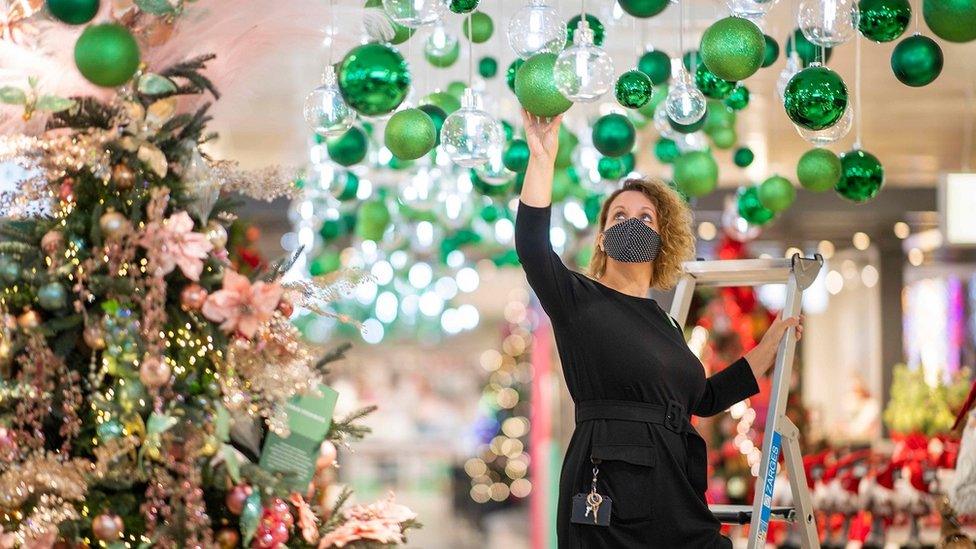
(917, 133)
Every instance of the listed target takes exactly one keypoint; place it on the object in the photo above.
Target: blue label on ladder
(768, 482)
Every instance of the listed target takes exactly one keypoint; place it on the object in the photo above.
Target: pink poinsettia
(241, 306)
(380, 522)
(174, 244)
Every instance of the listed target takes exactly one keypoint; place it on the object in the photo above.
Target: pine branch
(335, 518)
(190, 70)
(347, 427)
(15, 248)
(194, 128)
(87, 113)
(17, 233)
(338, 353)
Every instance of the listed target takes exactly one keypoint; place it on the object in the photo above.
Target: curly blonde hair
(674, 225)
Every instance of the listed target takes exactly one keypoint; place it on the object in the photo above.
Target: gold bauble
(113, 224)
(29, 320)
(217, 235)
(123, 176)
(94, 337)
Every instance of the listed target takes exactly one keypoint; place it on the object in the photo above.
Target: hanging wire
(967, 131)
(332, 31)
(916, 18)
(681, 30)
(636, 41)
(470, 51)
(858, 106)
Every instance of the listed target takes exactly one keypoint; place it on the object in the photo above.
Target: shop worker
(634, 471)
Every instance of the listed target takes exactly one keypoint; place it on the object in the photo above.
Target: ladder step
(742, 514)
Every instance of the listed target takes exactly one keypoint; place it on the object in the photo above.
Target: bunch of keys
(591, 508)
(593, 499)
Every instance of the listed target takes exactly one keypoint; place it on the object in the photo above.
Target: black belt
(672, 415)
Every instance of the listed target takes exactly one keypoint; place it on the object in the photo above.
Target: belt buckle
(674, 414)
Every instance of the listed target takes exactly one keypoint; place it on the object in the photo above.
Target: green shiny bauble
(373, 79)
(610, 167)
(325, 263)
(443, 100)
(691, 60)
(536, 88)
(643, 8)
(724, 138)
(883, 20)
(567, 144)
(815, 98)
(487, 67)
(777, 193)
(443, 59)
(711, 85)
(751, 208)
(917, 61)
(410, 134)
(659, 94)
(332, 229)
(599, 32)
(656, 65)
(107, 55)
(862, 176)
(437, 116)
(666, 150)
(490, 188)
(696, 173)
(770, 50)
(733, 48)
(348, 188)
(818, 170)
(743, 157)
(456, 88)
(481, 27)
(512, 72)
(738, 99)
(614, 135)
(633, 89)
(373, 219)
(718, 116)
(687, 128)
(952, 20)
(630, 162)
(73, 12)
(52, 296)
(462, 6)
(516, 155)
(349, 148)
(508, 130)
(807, 50)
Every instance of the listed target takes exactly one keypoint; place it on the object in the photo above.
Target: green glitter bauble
(917, 61)
(666, 150)
(107, 55)
(599, 32)
(751, 208)
(818, 170)
(770, 50)
(481, 29)
(462, 6)
(733, 48)
(952, 20)
(374, 79)
(516, 155)
(373, 219)
(724, 138)
(487, 67)
(73, 12)
(738, 99)
(696, 173)
(536, 88)
(511, 72)
(633, 89)
(718, 116)
(410, 134)
(815, 98)
(643, 8)
(743, 157)
(883, 20)
(447, 102)
(614, 135)
(777, 193)
(437, 116)
(52, 296)
(610, 167)
(805, 49)
(656, 65)
(862, 176)
(711, 85)
(349, 148)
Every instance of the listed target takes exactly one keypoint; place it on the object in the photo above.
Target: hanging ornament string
(858, 106)
(967, 132)
(636, 49)
(681, 30)
(470, 51)
(332, 31)
(916, 18)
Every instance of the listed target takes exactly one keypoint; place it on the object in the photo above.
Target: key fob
(581, 516)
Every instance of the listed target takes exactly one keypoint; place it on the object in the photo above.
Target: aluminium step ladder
(780, 433)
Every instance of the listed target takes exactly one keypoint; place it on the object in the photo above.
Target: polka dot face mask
(631, 241)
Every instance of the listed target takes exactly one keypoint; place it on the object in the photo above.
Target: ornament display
(643, 9)
(614, 135)
(107, 526)
(584, 71)
(711, 85)
(192, 297)
(154, 372)
(107, 54)
(441, 49)
(754, 10)
(373, 219)
(952, 20)
(724, 138)
(444, 101)
(862, 176)
(751, 208)
(818, 170)
(73, 12)
(917, 61)
(462, 6)
(828, 22)
(349, 148)
(469, 133)
(634, 89)
(815, 98)
(415, 13)
(487, 67)
(599, 31)
(535, 87)
(883, 20)
(410, 134)
(516, 156)
(738, 99)
(478, 27)
(113, 224)
(656, 65)
(536, 28)
(807, 50)
(325, 109)
(511, 72)
(696, 173)
(770, 50)
(52, 296)
(685, 103)
(733, 48)
(373, 79)
(437, 116)
(743, 157)
(777, 193)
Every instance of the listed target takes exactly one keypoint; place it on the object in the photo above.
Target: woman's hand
(542, 136)
(762, 357)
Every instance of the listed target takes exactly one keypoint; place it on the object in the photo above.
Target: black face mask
(631, 241)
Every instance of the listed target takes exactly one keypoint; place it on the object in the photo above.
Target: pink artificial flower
(307, 522)
(381, 521)
(242, 306)
(173, 243)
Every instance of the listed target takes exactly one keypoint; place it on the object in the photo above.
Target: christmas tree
(152, 391)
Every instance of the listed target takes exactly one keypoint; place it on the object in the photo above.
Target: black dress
(634, 382)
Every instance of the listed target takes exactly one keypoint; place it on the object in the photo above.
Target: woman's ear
(599, 242)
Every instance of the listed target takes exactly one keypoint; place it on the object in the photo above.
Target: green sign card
(309, 419)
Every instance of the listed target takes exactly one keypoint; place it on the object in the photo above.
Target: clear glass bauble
(415, 13)
(469, 133)
(534, 28)
(685, 103)
(583, 72)
(793, 66)
(826, 136)
(325, 110)
(688, 142)
(440, 43)
(753, 10)
(661, 124)
(494, 171)
(828, 23)
(734, 225)
(419, 193)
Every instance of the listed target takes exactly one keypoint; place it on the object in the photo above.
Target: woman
(629, 371)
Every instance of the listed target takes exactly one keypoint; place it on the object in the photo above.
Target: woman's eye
(647, 218)
(619, 215)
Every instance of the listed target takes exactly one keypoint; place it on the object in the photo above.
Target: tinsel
(317, 293)
(44, 473)
(265, 184)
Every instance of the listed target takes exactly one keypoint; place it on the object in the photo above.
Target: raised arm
(542, 136)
